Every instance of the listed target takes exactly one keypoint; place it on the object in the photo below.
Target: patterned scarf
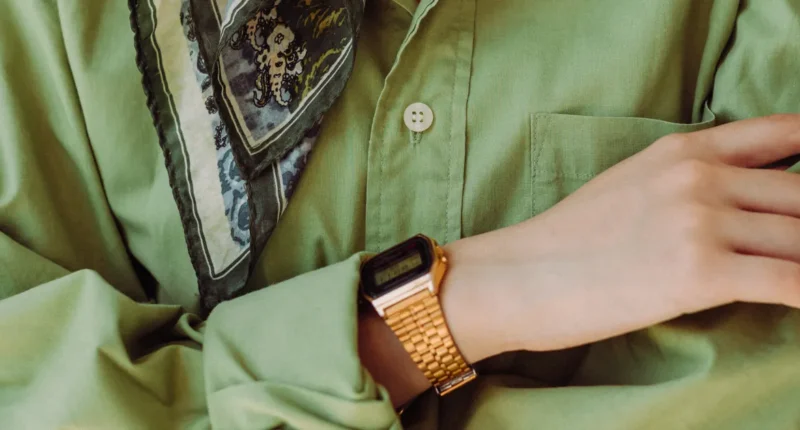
(237, 89)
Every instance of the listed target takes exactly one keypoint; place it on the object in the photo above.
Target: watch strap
(419, 324)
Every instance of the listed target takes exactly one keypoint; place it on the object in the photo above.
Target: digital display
(396, 266)
(398, 269)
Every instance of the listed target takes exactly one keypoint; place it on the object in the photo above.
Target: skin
(691, 223)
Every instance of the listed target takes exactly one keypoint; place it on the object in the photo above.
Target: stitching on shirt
(539, 130)
(575, 176)
(531, 158)
(447, 191)
(535, 153)
(452, 169)
(415, 138)
(381, 169)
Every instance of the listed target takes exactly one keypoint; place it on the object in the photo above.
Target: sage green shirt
(531, 98)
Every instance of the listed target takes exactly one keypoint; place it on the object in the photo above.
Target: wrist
(387, 361)
(382, 352)
(476, 312)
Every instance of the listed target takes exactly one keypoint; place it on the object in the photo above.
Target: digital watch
(402, 283)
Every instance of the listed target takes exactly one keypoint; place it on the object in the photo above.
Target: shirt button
(418, 117)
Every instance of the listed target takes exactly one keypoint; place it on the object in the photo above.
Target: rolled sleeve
(288, 356)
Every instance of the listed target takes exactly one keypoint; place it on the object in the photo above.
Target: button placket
(416, 187)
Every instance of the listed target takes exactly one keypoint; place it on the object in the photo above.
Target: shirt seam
(452, 170)
(537, 143)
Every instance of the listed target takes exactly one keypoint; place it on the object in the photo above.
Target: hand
(686, 225)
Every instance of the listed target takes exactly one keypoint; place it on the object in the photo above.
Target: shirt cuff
(287, 355)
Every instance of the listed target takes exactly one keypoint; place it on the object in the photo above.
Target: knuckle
(689, 176)
(676, 143)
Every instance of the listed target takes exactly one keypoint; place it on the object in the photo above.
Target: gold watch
(402, 283)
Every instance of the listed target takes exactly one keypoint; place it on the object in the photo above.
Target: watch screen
(396, 266)
(398, 269)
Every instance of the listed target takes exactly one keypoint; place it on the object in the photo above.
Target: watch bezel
(391, 256)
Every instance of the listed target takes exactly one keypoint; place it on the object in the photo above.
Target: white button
(418, 117)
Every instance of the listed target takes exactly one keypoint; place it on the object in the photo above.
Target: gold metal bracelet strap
(419, 324)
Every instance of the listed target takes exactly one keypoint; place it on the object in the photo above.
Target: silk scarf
(237, 90)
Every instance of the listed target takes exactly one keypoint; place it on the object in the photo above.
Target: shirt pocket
(569, 150)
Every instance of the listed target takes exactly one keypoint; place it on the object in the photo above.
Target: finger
(754, 142)
(764, 280)
(766, 235)
(767, 191)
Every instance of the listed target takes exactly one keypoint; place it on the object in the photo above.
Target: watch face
(396, 267)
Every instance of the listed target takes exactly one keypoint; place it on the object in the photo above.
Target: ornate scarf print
(237, 89)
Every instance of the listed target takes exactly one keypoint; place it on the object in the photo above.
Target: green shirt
(531, 99)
